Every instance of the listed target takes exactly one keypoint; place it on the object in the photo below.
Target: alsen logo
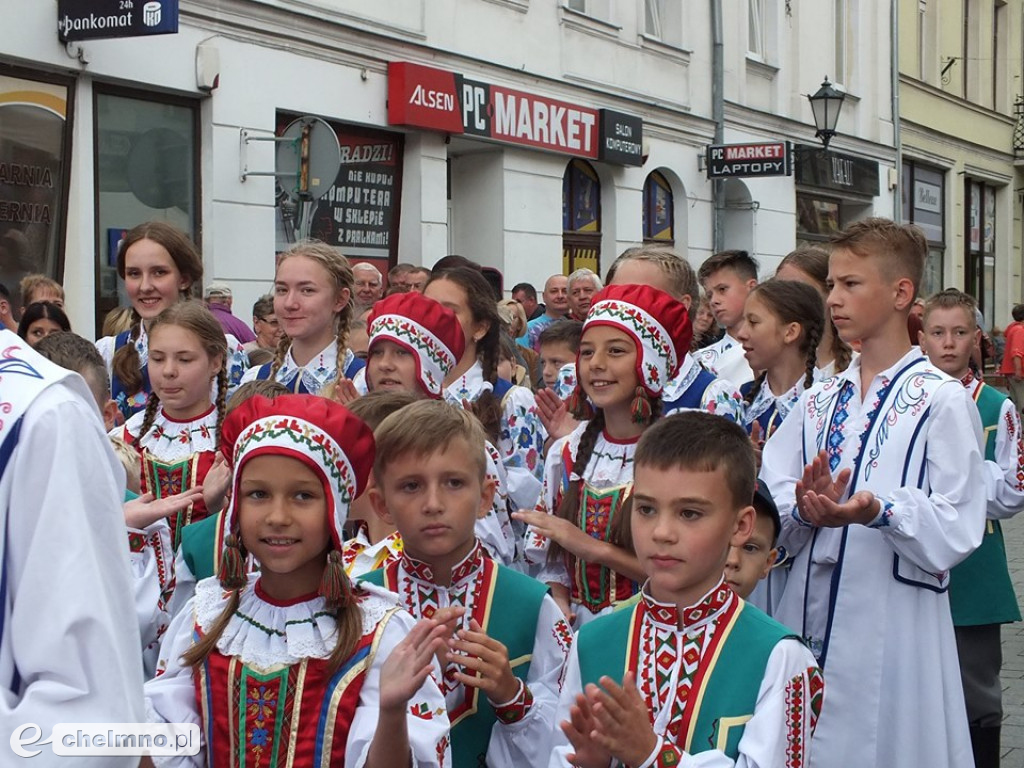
(431, 99)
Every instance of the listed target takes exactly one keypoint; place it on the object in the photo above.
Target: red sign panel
(521, 118)
(424, 97)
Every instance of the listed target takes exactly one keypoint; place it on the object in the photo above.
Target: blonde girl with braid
(312, 292)
(159, 266)
(578, 542)
(783, 322)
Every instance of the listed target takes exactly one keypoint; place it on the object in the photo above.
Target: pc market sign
(100, 19)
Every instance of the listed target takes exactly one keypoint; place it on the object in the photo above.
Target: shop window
(34, 162)
(924, 205)
(147, 158)
(581, 218)
(659, 210)
(980, 206)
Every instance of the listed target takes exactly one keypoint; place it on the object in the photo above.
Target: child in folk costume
(177, 434)
(293, 663)
(159, 266)
(312, 291)
(727, 278)
(809, 264)
(981, 594)
(633, 340)
(876, 474)
(757, 570)
(500, 676)
(415, 342)
(373, 543)
(508, 413)
(782, 323)
(691, 675)
(69, 651)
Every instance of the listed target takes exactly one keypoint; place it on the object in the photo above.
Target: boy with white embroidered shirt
(981, 594)
(707, 679)
(727, 278)
(878, 503)
(500, 676)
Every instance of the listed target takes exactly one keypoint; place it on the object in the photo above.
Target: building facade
(533, 136)
(960, 67)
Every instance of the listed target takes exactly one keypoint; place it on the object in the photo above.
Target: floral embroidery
(884, 517)
(517, 708)
(911, 397)
(563, 636)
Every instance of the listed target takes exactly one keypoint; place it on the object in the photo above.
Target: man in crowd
(526, 295)
(369, 287)
(218, 299)
(583, 284)
(556, 301)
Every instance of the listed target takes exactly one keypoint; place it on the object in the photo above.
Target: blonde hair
(340, 272)
(129, 459)
(193, 316)
(900, 249)
(680, 274)
(512, 312)
(117, 321)
(31, 283)
(424, 428)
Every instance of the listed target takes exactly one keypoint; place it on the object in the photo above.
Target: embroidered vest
(980, 589)
(725, 685)
(296, 715)
(593, 585)
(507, 611)
(167, 478)
(129, 405)
(202, 544)
(692, 397)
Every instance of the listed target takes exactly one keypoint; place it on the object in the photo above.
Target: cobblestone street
(1013, 654)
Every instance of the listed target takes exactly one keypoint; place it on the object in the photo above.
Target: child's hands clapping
(484, 663)
(410, 662)
(142, 512)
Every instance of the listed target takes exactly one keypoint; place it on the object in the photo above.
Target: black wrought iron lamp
(825, 104)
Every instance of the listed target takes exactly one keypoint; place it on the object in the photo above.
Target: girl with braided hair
(783, 323)
(159, 266)
(634, 339)
(294, 664)
(312, 302)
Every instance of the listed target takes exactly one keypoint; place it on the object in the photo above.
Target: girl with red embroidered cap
(633, 340)
(294, 664)
(415, 343)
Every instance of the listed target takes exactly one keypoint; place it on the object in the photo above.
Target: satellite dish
(308, 162)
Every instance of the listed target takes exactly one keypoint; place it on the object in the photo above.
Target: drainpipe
(718, 114)
(894, 22)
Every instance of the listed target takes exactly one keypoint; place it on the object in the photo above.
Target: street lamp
(825, 105)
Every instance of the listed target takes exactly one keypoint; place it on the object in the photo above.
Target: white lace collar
(320, 371)
(265, 635)
(678, 384)
(172, 439)
(469, 386)
(765, 399)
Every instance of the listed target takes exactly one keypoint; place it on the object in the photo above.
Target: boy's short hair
(740, 262)
(71, 351)
(423, 428)
(31, 283)
(764, 506)
(129, 460)
(900, 248)
(1017, 313)
(268, 388)
(952, 298)
(567, 332)
(701, 442)
(677, 269)
(374, 407)
(527, 288)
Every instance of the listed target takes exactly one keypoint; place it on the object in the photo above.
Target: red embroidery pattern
(563, 636)
(516, 709)
(668, 757)
(796, 716)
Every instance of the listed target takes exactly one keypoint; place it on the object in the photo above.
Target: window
(756, 28)
(922, 17)
(147, 157)
(924, 197)
(659, 210)
(653, 10)
(663, 20)
(577, 5)
(980, 225)
(581, 217)
(841, 21)
(968, 47)
(35, 113)
(998, 65)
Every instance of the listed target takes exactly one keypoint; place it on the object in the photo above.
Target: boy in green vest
(700, 669)
(500, 675)
(981, 596)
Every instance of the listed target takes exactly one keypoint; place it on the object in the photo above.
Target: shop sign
(927, 197)
(97, 19)
(726, 161)
(431, 98)
(817, 167)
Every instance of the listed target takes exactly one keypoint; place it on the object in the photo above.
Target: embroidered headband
(426, 328)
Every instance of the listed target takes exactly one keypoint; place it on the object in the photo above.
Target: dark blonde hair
(340, 273)
(193, 316)
(951, 298)
(126, 363)
(267, 388)
(374, 407)
(677, 269)
(793, 302)
(900, 249)
(31, 283)
(423, 428)
(813, 262)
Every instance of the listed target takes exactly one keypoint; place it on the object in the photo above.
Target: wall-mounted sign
(425, 97)
(97, 19)
(825, 169)
(726, 161)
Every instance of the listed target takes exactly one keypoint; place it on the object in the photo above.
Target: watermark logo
(167, 739)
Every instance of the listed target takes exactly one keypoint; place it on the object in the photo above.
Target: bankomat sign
(98, 19)
(426, 97)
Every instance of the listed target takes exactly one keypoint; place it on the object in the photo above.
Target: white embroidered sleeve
(522, 445)
(723, 398)
(537, 545)
(528, 740)
(426, 717)
(152, 561)
(1004, 477)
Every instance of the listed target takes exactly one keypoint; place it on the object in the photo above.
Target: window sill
(757, 66)
(587, 23)
(521, 6)
(670, 50)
